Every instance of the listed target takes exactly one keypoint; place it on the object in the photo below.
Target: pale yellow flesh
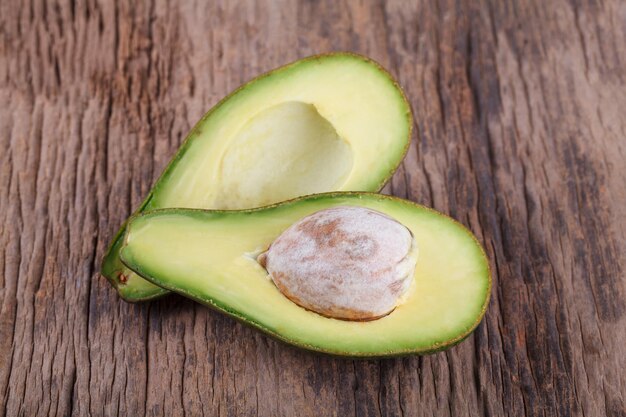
(212, 258)
(283, 152)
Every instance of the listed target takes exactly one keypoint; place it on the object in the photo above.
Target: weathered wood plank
(520, 134)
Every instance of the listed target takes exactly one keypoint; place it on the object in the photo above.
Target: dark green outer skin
(248, 321)
(112, 265)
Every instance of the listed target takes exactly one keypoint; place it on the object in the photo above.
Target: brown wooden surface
(520, 111)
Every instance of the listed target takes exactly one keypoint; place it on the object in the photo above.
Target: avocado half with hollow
(212, 257)
(335, 122)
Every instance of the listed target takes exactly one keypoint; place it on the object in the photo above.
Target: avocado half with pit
(335, 122)
(216, 258)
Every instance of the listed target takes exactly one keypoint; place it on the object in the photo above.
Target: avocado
(212, 256)
(335, 122)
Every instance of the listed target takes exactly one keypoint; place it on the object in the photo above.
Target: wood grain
(520, 134)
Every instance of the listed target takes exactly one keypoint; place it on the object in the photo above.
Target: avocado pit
(346, 262)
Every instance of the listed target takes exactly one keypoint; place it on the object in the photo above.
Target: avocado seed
(346, 262)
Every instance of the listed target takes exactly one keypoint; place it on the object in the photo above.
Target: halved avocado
(211, 257)
(335, 122)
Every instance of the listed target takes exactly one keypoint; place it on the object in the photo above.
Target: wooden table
(520, 134)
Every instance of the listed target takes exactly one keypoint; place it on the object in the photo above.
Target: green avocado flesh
(210, 256)
(335, 122)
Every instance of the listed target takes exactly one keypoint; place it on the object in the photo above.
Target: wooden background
(520, 116)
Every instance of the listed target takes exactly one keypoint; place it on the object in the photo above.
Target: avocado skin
(113, 268)
(221, 307)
